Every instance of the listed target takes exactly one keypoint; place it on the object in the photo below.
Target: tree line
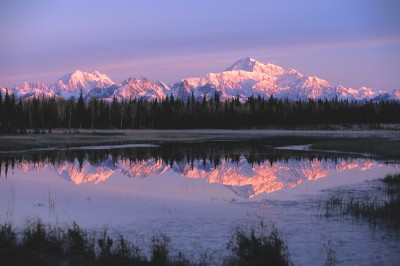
(44, 114)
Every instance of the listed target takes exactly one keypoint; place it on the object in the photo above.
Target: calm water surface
(197, 194)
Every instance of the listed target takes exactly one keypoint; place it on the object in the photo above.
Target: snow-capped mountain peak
(85, 80)
(249, 64)
(30, 89)
(71, 84)
(248, 76)
(245, 64)
(27, 87)
(141, 88)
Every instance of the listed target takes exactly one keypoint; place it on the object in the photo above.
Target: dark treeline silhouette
(209, 154)
(44, 114)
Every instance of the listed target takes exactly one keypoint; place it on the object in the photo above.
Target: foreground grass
(254, 247)
(379, 206)
(40, 244)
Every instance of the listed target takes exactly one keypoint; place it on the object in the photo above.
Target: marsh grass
(378, 205)
(257, 246)
(43, 244)
(330, 254)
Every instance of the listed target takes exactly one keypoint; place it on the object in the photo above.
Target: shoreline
(385, 143)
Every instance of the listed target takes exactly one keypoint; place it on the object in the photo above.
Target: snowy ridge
(141, 88)
(71, 84)
(28, 89)
(244, 78)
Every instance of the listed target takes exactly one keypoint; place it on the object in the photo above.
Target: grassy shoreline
(384, 143)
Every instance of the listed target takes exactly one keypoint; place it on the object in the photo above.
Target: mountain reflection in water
(247, 173)
(197, 193)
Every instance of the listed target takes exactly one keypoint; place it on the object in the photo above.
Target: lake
(198, 192)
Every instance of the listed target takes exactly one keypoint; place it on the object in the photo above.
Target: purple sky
(353, 43)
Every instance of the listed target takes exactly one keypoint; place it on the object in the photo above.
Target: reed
(44, 244)
(380, 205)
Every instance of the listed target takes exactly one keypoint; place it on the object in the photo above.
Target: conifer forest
(44, 114)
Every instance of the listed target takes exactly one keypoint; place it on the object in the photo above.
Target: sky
(347, 42)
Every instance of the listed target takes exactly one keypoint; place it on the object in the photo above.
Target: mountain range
(244, 78)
